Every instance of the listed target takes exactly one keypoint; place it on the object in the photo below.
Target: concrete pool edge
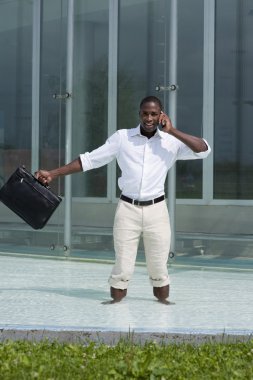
(84, 336)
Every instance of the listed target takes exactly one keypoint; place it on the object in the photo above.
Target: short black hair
(153, 99)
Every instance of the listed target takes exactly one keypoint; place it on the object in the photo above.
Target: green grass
(126, 360)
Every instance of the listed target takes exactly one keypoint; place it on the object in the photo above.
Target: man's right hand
(43, 176)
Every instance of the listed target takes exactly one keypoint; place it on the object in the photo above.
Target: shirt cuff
(85, 161)
(205, 153)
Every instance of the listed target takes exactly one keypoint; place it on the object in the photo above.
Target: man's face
(149, 116)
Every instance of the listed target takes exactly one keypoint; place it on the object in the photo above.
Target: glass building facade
(73, 72)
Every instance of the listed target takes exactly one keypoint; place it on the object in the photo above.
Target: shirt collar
(137, 132)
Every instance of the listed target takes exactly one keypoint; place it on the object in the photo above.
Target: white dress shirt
(144, 162)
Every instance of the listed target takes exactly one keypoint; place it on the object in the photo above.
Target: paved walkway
(39, 294)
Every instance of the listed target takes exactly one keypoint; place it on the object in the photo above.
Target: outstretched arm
(196, 144)
(46, 176)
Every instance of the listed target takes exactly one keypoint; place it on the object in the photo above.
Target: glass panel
(52, 112)
(190, 94)
(233, 157)
(221, 235)
(91, 91)
(53, 83)
(15, 106)
(151, 48)
(142, 63)
(15, 89)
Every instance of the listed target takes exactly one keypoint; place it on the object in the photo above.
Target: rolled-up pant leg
(156, 239)
(126, 233)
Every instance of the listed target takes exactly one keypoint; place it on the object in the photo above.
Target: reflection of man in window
(144, 154)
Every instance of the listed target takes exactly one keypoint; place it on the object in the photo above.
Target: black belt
(142, 203)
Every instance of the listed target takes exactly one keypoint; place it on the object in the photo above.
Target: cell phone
(160, 126)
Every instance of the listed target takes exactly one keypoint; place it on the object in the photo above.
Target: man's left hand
(166, 123)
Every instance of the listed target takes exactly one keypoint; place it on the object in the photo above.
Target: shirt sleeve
(102, 155)
(185, 153)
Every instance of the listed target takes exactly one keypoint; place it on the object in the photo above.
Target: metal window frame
(208, 96)
(172, 105)
(112, 91)
(36, 58)
(68, 138)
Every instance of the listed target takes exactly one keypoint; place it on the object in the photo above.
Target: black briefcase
(29, 198)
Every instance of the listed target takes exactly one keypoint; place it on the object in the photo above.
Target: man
(144, 154)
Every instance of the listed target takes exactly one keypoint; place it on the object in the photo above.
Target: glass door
(148, 66)
(121, 53)
(15, 109)
(52, 116)
(124, 51)
(32, 112)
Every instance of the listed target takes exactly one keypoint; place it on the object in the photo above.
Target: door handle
(62, 96)
(171, 87)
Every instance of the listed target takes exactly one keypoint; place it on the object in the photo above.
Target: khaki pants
(153, 223)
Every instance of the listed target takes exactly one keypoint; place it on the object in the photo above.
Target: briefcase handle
(30, 174)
